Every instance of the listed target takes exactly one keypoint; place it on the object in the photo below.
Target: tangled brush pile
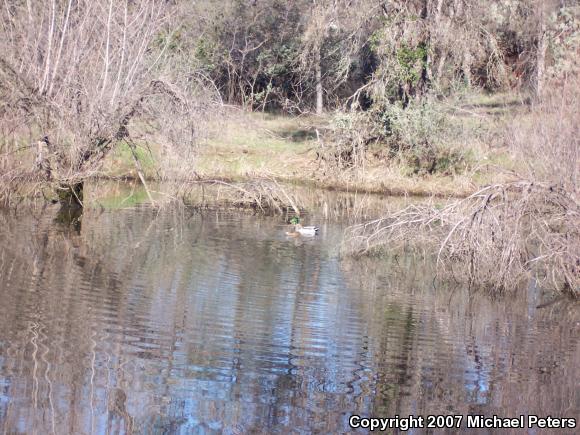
(494, 238)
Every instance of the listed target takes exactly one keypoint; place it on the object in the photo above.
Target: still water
(175, 321)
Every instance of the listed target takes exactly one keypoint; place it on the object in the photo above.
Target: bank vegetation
(504, 233)
(482, 92)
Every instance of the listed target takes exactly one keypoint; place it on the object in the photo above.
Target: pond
(140, 320)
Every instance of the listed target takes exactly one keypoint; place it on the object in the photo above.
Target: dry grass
(242, 146)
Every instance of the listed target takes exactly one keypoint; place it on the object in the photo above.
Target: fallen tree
(494, 238)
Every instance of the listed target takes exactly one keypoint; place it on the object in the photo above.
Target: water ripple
(168, 322)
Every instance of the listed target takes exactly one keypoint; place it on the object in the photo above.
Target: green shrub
(419, 134)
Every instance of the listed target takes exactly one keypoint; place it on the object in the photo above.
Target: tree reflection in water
(141, 320)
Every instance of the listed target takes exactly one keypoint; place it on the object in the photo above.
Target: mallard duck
(299, 230)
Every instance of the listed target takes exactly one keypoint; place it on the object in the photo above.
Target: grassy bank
(241, 146)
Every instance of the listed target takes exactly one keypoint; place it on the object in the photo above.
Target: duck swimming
(299, 230)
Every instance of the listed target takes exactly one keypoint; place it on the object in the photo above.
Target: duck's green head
(295, 220)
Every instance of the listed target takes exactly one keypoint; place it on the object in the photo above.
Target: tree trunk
(68, 194)
(466, 67)
(42, 161)
(437, 22)
(541, 60)
(71, 195)
(318, 71)
(441, 65)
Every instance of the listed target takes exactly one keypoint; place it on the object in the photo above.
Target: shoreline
(325, 185)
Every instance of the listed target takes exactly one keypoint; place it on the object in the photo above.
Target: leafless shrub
(174, 118)
(76, 75)
(493, 238)
(547, 140)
